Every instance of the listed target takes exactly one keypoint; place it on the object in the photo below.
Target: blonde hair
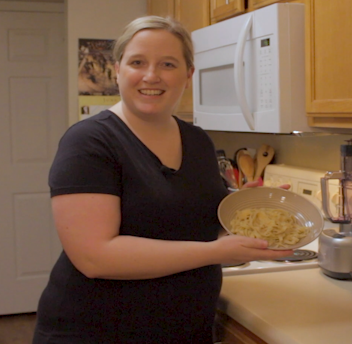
(155, 22)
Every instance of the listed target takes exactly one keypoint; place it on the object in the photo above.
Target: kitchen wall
(103, 19)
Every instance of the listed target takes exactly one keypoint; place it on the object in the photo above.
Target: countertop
(291, 307)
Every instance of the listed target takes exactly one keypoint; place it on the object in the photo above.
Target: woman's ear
(189, 77)
(117, 69)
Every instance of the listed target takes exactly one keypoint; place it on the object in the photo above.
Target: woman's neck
(156, 124)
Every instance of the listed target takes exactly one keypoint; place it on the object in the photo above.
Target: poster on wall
(97, 89)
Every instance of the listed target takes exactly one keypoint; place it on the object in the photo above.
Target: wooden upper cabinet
(329, 63)
(194, 14)
(261, 3)
(255, 4)
(223, 9)
(161, 7)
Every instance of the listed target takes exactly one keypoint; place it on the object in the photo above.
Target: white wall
(103, 19)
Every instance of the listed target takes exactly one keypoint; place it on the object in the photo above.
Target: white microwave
(250, 72)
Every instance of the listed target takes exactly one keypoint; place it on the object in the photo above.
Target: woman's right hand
(235, 249)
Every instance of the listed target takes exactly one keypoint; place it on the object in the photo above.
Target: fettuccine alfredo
(279, 227)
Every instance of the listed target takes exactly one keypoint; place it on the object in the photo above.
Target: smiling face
(152, 73)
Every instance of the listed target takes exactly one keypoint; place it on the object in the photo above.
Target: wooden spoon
(246, 164)
(240, 173)
(264, 156)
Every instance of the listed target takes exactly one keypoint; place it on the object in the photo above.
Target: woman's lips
(151, 92)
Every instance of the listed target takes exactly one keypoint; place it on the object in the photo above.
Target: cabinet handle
(227, 2)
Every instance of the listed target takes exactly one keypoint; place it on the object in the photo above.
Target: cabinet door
(161, 7)
(223, 9)
(194, 15)
(329, 63)
(229, 331)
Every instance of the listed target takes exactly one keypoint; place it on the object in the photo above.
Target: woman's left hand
(259, 182)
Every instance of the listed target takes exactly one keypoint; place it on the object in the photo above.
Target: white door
(32, 119)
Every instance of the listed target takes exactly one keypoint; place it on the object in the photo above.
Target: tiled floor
(17, 329)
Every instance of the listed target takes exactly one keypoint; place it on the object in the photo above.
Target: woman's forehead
(154, 41)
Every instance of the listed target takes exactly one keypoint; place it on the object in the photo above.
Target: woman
(134, 197)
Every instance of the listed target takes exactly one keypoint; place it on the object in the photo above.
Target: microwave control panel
(265, 74)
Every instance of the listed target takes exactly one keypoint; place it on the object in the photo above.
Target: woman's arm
(88, 227)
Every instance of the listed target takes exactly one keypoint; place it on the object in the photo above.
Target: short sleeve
(85, 162)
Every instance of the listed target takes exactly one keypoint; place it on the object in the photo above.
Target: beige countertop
(291, 307)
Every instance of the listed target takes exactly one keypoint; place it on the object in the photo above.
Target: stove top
(299, 255)
(304, 258)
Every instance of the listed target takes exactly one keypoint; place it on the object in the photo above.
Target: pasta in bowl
(283, 218)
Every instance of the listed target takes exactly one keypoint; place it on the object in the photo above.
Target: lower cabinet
(229, 331)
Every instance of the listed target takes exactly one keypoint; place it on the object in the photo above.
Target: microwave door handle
(239, 73)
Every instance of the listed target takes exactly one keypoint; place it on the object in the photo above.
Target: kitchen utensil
(264, 156)
(227, 171)
(335, 248)
(306, 213)
(246, 164)
(335, 254)
(237, 158)
(249, 151)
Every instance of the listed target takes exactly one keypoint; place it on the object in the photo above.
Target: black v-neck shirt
(101, 155)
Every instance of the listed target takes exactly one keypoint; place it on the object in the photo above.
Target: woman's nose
(151, 75)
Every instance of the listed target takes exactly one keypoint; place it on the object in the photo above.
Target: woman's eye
(169, 65)
(136, 63)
